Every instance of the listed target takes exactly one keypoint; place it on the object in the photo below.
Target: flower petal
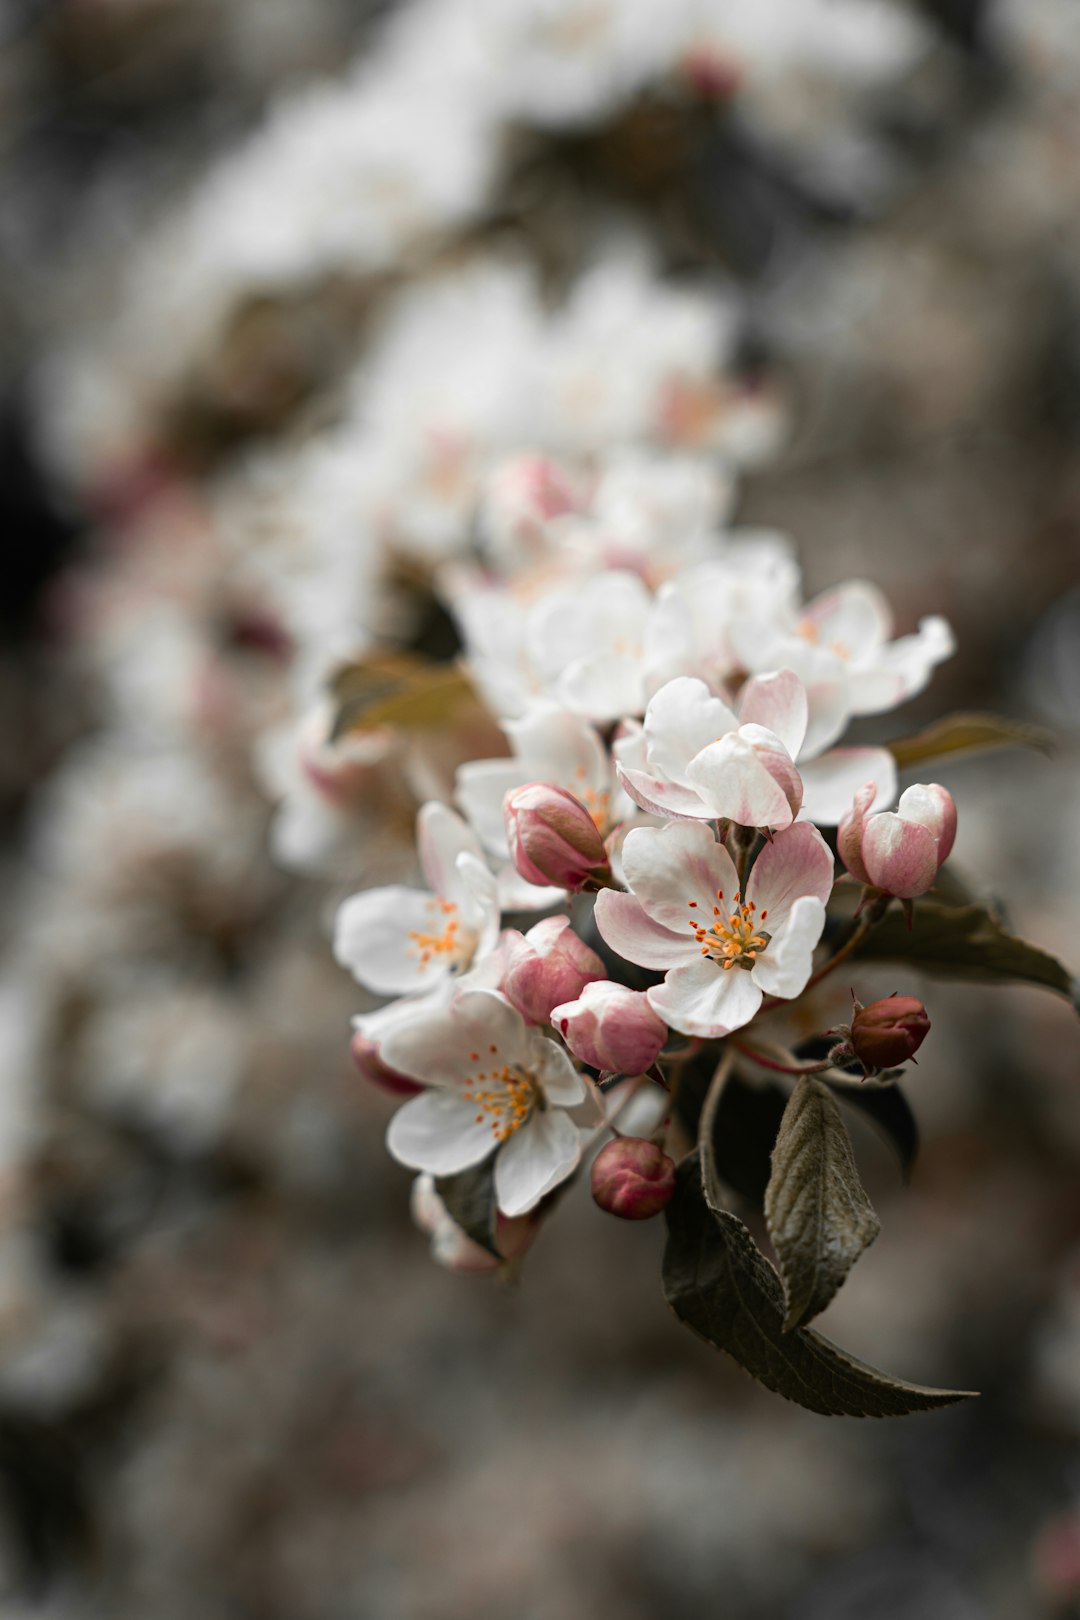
(853, 620)
(667, 867)
(779, 703)
(481, 786)
(438, 1048)
(783, 969)
(438, 1132)
(558, 1079)
(682, 718)
(627, 927)
(748, 777)
(797, 862)
(705, 999)
(831, 782)
(539, 1155)
(441, 836)
(661, 797)
(900, 856)
(373, 939)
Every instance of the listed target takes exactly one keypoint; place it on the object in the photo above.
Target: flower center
(451, 944)
(734, 938)
(504, 1096)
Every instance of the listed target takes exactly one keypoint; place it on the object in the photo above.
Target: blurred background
(279, 282)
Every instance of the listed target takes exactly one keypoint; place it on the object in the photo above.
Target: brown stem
(781, 1068)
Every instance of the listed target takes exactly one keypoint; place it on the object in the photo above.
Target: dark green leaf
(967, 734)
(964, 942)
(470, 1201)
(721, 1286)
(819, 1217)
(889, 1110)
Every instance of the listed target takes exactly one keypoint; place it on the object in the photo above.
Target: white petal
(734, 781)
(437, 1132)
(783, 969)
(561, 748)
(539, 1155)
(903, 668)
(481, 786)
(604, 686)
(831, 782)
(797, 862)
(475, 890)
(442, 836)
(661, 797)
(853, 620)
(443, 1047)
(372, 938)
(667, 867)
(682, 718)
(627, 927)
(705, 999)
(779, 703)
(517, 894)
(560, 1082)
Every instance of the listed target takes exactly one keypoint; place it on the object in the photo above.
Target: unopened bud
(632, 1178)
(889, 1032)
(365, 1054)
(553, 840)
(611, 1028)
(901, 851)
(547, 966)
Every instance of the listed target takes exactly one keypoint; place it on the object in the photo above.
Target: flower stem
(781, 1068)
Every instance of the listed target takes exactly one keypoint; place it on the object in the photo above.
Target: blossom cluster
(674, 714)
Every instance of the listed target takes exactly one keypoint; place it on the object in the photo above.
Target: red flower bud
(632, 1178)
(553, 839)
(889, 1032)
(547, 966)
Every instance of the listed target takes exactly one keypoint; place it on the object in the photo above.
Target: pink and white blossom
(723, 949)
(397, 940)
(901, 851)
(611, 1027)
(494, 1083)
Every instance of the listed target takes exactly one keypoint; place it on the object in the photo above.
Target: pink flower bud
(632, 1178)
(365, 1054)
(611, 1028)
(553, 839)
(889, 1032)
(546, 966)
(901, 851)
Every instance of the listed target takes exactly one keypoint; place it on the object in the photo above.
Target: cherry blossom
(723, 949)
(396, 939)
(899, 852)
(493, 1082)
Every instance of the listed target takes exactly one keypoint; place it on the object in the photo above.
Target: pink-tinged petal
(438, 1132)
(373, 938)
(704, 999)
(437, 1047)
(798, 862)
(831, 782)
(932, 806)
(539, 1155)
(441, 836)
(779, 703)
(748, 777)
(853, 620)
(682, 718)
(481, 786)
(661, 797)
(627, 927)
(784, 967)
(900, 856)
(667, 867)
(849, 834)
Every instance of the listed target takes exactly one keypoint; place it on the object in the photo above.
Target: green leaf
(889, 1110)
(470, 1201)
(720, 1285)
(964, 942)
(745, 1126)
(819, 1218)
(967, 734)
